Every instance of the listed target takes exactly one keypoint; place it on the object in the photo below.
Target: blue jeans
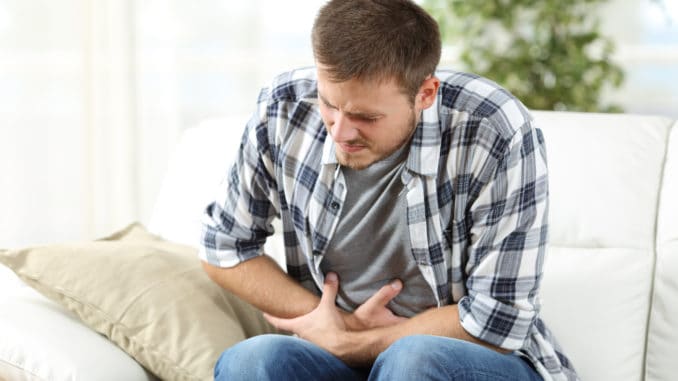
(278, 357)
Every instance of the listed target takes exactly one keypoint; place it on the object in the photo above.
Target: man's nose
(343, 129)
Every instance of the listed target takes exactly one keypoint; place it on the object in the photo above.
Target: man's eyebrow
(325, 101)
(353, 114)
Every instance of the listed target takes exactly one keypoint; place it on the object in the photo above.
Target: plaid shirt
(477, 202)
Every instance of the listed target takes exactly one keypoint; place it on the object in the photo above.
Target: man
(414, 209)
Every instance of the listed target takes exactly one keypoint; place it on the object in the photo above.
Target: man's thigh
(279, 357)
(439, 358)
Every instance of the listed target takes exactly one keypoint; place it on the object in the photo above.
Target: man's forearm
(362, 348)
(262, 283)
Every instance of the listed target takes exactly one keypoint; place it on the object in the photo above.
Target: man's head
(377, 41)
(376, 60)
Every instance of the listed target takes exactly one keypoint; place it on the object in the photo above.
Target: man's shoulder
(296, 85)
(289, 116)
(480, 98)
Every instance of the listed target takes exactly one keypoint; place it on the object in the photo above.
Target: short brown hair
(377, 40)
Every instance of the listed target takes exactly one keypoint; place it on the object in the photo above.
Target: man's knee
(415, 357)
(278, 357)
(408, 352)
(257, 358)
(440, 358)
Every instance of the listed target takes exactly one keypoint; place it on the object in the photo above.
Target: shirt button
(334, 205)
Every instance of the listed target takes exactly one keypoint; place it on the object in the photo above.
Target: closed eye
(363, 119)
(359, 116)
(326, 103)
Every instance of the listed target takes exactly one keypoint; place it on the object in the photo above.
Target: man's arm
(260, 282)
(263, 284)
(363, 347)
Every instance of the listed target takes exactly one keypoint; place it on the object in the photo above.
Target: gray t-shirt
(371, 244)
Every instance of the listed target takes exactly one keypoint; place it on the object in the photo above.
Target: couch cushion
(662, 346)
(193, 179)
(605, 171)
(41, 340)
(198, 164)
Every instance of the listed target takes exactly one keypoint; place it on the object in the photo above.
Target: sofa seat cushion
(41, 340)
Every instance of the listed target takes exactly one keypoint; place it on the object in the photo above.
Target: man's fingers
(280, 323)
(328, 299)
(384, 295)
(330, 289)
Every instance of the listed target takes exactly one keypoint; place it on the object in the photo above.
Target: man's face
(367, 121)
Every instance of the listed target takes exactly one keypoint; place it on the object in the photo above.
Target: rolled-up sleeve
(508, 235)
(235, 226)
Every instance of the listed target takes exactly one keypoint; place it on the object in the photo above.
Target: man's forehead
(325, 75)
(358, 97)
(354, 107)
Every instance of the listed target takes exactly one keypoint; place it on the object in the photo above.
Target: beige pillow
(149, 296)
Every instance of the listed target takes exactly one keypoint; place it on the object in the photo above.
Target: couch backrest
(605, 176)
(197, 166)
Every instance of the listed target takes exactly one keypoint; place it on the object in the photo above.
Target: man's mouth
(351, 148)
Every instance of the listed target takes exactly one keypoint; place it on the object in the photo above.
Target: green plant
(549, 53)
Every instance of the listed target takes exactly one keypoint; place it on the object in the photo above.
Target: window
(93, 95)
(646, 33)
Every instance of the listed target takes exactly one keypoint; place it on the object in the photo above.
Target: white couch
(610, 290)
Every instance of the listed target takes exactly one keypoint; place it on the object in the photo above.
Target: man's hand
(331, 328)
(324, 326)
(327, 327)
(374, 313)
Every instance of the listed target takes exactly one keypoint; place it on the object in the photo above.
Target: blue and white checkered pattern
(477, 202)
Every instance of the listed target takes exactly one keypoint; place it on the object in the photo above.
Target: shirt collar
(425, 147)
(329, 157)
(329, 154)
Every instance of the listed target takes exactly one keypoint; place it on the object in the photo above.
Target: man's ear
(427, 93)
